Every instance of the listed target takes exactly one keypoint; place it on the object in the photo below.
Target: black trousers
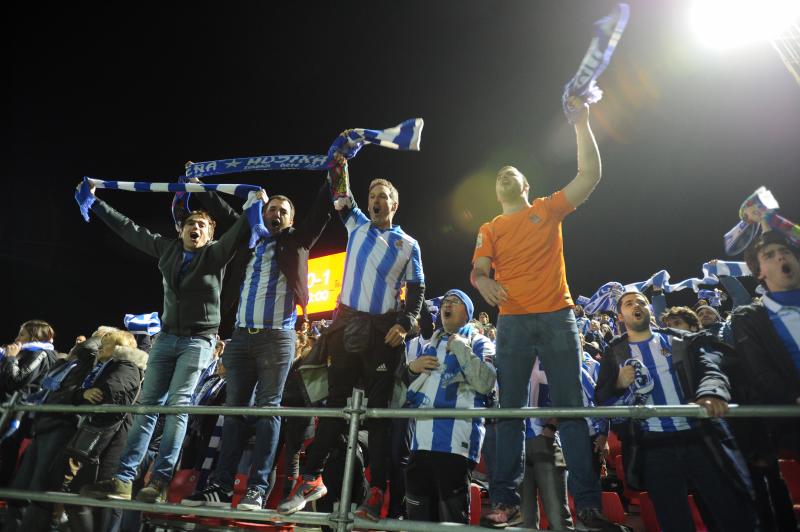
(437, 487)
(373, 369)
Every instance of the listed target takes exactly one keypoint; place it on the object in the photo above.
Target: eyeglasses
(452, 301)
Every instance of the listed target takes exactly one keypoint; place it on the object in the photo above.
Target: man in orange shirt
(524, 247)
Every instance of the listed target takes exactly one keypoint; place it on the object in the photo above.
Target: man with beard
(366, 339)
(262, 347)
(525, 248)
(192, 267)
(643, 367)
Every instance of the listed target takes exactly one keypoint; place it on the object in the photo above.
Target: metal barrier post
(355, 411)
(8, 411)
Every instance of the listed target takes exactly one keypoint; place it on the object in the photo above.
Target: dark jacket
(773, 375)
(704, 353)
(770, 375)
(193, 306)
(83, 355)
(26, 369)
(119, 381)
(292, 246)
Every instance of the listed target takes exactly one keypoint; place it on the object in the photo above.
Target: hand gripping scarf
(746, 231)
(405, 136)
(608, 31)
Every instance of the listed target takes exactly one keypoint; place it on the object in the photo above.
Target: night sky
(685, 132)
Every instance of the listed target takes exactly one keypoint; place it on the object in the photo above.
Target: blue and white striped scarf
(31, 346)
(148, 324)
(253, 206)
(605, 299)
(608, 31)
(711, 273)
(405, 136)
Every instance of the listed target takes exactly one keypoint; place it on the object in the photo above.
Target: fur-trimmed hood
(137, 356)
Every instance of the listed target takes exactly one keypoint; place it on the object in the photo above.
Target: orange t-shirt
(527, 253)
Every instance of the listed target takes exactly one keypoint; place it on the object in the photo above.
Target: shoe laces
(253, 493)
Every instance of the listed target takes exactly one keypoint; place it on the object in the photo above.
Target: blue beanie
(464, 298)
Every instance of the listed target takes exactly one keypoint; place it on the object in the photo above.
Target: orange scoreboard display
(325, 278)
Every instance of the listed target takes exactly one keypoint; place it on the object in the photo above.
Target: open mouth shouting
(786, 268)
(194, 236)
(447, 313)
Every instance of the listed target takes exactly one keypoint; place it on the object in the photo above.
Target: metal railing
(342, 518)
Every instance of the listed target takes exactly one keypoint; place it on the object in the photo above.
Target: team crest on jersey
(398, 244)
(479, 242)
(643, 383)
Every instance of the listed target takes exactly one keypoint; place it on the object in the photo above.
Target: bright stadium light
(731, 23)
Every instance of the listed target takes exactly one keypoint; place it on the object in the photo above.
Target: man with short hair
(366, 339)
(262, 347)
(647, 366)
(525, 248)
(192, 267)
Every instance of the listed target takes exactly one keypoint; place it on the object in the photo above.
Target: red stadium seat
(790, 471)
(612, 507)
(182, 485)
(474, 504)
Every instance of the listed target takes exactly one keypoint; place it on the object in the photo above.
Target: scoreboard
(325, 278)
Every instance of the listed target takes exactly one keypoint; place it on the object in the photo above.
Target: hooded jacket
(120, 381)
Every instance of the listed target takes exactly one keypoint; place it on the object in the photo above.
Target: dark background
(685, 132)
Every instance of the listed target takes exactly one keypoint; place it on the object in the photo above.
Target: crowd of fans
(109, 365)
(434, 353)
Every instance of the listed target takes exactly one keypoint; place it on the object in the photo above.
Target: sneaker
(252, 500)
(112, 488)
(213, 495)
(501, 516)
(154, 492)
(305, 490)
(371, 508)
(591, 519)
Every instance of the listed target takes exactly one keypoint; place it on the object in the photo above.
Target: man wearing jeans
(192, 267)
(263, 344)
(525, 248)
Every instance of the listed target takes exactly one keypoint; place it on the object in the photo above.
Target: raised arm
(314, 223)
(234, 237)
(151, 243)
(589, 168)
(218, 208)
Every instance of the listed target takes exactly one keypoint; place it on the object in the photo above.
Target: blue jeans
(173, 368)
(554, 335)
(261, 361)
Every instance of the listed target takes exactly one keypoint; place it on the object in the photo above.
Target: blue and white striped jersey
(783, 309)
(656, 382)
(378, 263)
(446, 387)
(266, 300)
